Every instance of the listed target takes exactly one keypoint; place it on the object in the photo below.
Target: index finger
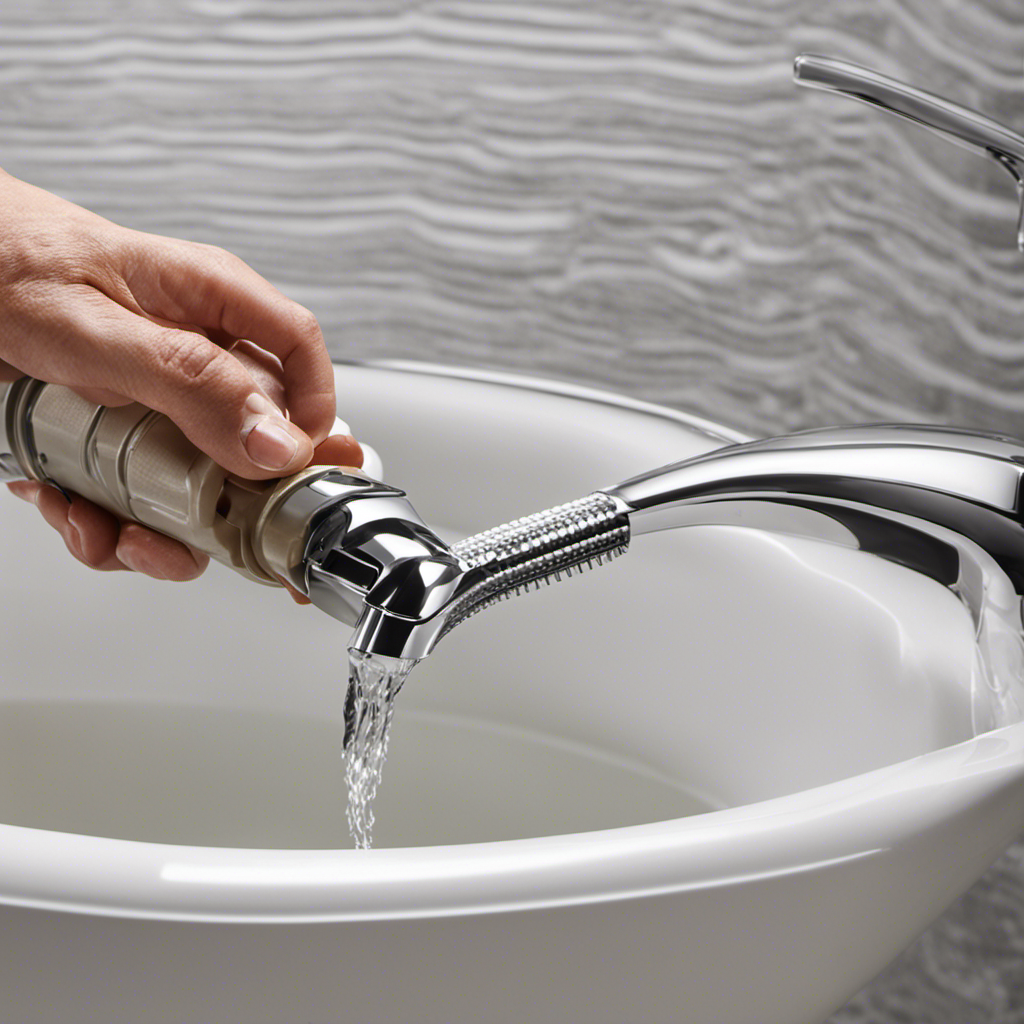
(209, 287)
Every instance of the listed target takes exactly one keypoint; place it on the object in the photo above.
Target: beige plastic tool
(138, 464)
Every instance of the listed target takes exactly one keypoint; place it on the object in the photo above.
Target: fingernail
(266, 435)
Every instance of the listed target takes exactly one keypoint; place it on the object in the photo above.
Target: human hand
(187, 329)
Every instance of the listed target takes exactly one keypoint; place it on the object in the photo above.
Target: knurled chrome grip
(137, 464)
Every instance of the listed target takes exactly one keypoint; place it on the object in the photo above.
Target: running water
(373, 684)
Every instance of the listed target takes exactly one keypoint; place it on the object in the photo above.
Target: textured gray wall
(628, 192)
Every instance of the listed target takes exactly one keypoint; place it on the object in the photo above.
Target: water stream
(373, 684)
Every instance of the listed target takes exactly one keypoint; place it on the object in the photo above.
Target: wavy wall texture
(628, 192)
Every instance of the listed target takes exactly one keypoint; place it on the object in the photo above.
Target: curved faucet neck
(905, 493)
(961, 125)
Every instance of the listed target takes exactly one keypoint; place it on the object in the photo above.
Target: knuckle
(16, 263)
(215, 251)
(304, 323)
(190, 358)
(130, 534)
(75, 544)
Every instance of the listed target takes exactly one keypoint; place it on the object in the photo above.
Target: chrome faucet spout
(370, 561)
(966, 127)
(924, 497)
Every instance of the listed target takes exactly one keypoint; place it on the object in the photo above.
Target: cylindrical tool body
(137, 464)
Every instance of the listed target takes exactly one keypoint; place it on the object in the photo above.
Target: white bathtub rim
(870, 815)
(563, 389)
(773, 838)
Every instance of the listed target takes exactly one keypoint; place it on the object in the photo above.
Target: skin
(188, 329)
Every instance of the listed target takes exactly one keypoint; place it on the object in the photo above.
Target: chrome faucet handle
(961, 125)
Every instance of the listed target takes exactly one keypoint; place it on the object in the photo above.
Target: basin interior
(710, 667)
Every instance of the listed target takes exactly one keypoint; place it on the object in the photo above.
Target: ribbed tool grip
(138, 464)
(539, 549)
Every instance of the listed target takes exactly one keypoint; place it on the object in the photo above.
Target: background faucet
(965, 127)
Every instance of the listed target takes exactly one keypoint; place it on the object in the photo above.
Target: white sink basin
(725, 779)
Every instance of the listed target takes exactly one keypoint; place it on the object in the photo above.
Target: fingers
(205, 389)
(264, 368)
(101, 541)
(158, 556)
(338, 450)
(24, 489)
(92, 539)
(150, 345)
(209, 287)
(101, 396)
(123, 316)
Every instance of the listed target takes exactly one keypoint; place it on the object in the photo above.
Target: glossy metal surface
(316, 496)
(961, 125)
(925, 498)
(355, 546)
(905, 493)
(940, 501)
(373, 563)
(943, 502)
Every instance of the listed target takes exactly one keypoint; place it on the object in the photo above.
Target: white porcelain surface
(823, 699)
